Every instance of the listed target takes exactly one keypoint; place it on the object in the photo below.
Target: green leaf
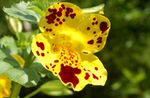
(55, 88)
(26, 77)
(2, 55)
(40, 69)
(4, 67)
(9, 43)
(22, 11)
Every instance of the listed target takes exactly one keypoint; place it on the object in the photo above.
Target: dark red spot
(86, 76)
(58, 19)
(60, 9)
(103, 26)
(63, 20)
(96, 68)
(68, 11)
(94, 18)
(72, 15)
(42, 54)
(96, 22)
(47, 67)
(56, 61)
(76, 61)
(99, 40)
(91, 41)
(37, 52)
(59, 14)
(50, 30)
(56, 24)
(98, 45)
(43, 26)
(40, 44)
(94, 32)
(52, 16)
(88, 28)
(47, 30)
(67, 74)
(53, 66)
(50, 64)
(95, 77)
(60, 22)
(63, 6)
(93, 23)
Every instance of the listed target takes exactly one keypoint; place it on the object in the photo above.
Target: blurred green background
(126, 55)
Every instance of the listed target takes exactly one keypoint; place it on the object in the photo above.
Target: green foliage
(22, 12)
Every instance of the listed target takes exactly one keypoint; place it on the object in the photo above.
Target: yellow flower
(68, 42)
(5, 85)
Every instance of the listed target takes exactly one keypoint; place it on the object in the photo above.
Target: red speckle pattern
(103, 26)
(69, 57)
(86, 76)
(55, 14)
(68, 74)
(94, 22)
(40, 45)
(91, 42)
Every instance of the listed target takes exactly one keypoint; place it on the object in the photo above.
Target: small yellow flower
(19, 59)
(68, 42)
(5, 85)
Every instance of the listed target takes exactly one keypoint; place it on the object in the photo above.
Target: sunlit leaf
(22, 12)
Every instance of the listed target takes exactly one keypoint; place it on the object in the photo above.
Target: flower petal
(94, 28)
(68, 65)
(52, 56)
(89, 31)
(92, 72)
(45, 52)
(60, 16)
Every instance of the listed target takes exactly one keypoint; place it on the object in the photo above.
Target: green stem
(32, 93)
(15, 90)
(30, 60)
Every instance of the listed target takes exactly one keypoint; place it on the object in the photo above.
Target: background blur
(126, 55)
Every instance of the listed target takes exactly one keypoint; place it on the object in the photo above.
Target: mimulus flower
(5, 85)
(68, 42)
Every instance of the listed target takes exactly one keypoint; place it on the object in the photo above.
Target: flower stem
(15, 90)
(32, 93)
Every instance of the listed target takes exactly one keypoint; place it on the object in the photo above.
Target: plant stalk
(15, 90)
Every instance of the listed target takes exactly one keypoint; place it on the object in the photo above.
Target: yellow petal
(44, 50)
(92, 72)
(94, 28)
(60, 16)
(88, 32)
(5, 85)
